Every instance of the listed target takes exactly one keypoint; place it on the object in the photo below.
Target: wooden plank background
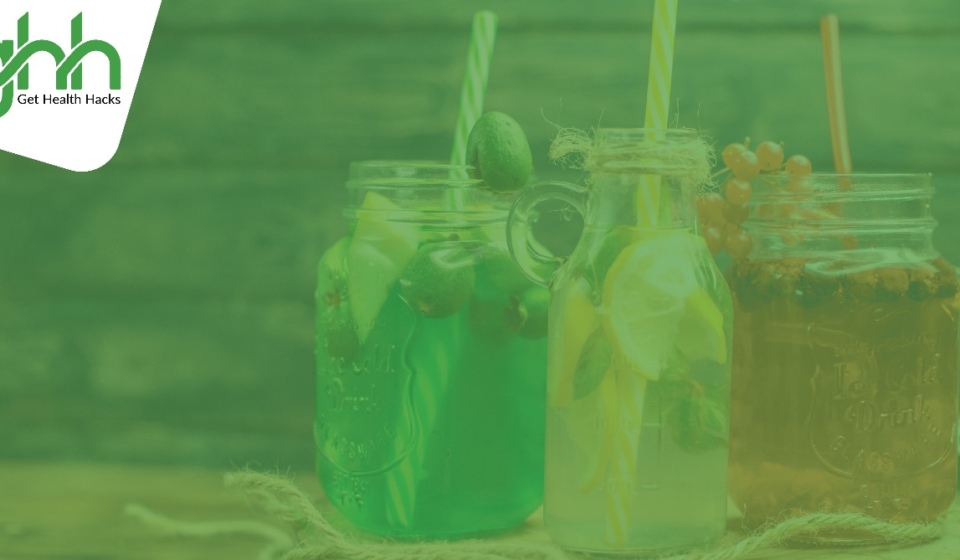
(159, 310)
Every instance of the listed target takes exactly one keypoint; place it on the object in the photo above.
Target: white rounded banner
(68, 71)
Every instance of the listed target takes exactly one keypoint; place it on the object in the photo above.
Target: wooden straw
(830, 35)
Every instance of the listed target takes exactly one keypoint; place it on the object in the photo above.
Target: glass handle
(534, 260)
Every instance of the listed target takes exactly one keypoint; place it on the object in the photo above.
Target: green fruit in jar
(505, 274)
(536, 301)
(515, 314)
(378, 251)
(498, 149)
(439, 279)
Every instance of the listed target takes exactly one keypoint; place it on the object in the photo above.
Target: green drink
(431, 351)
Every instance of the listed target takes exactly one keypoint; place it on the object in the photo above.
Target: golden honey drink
(844, 391)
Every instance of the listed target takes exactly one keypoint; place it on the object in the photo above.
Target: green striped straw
(472, 94)
(429, 392)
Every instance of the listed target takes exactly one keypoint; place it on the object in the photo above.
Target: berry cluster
(721, 216)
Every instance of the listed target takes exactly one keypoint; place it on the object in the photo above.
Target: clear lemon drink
(664, 336)
(638, 358)
(431, 350)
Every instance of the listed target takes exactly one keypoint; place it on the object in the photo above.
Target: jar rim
(680, 131)
(387, 173)
(872, 175)
(411, 163)
(842, 186)
(644, 133)
(424, 192)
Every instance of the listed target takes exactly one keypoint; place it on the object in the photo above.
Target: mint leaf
(676, 366)
(698, 416)
(592, 365)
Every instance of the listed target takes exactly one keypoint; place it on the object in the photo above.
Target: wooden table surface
(62, 511)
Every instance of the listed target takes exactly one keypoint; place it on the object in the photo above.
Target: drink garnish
(498, 150)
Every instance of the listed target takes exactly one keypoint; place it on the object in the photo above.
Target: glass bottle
(845, 354)
(431, 359)
(638, 353)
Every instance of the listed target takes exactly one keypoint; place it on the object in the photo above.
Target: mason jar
(431, 359)
(844, 395)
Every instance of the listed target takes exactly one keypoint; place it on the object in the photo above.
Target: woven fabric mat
(71, 511)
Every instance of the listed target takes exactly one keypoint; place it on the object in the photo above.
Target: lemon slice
(652, 300)
(378, 253)
(334, 262)
(578, 319)
(700, 331)
(609, 417)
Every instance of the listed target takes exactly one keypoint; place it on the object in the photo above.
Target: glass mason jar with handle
(639, 344)
(845, 354)
(431, 359)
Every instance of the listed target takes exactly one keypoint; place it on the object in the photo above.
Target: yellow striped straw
(661, 64)
(474, 90)
(632, 387)
(658, 101)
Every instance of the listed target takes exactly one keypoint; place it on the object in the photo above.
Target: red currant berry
(800, 184)
(799, 165)
(714, 240)
(770, 155)
(711, 209)
(731, 154)
(739, 244)
(747, 167)
(736, 214)
(738, 191)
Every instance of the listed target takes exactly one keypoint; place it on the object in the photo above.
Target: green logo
(14, 59)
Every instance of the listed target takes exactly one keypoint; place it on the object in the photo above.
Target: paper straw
(482, 38)
(661, 64)
(658, 101)
(472, 94)
(632, 387)
(830, 35)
